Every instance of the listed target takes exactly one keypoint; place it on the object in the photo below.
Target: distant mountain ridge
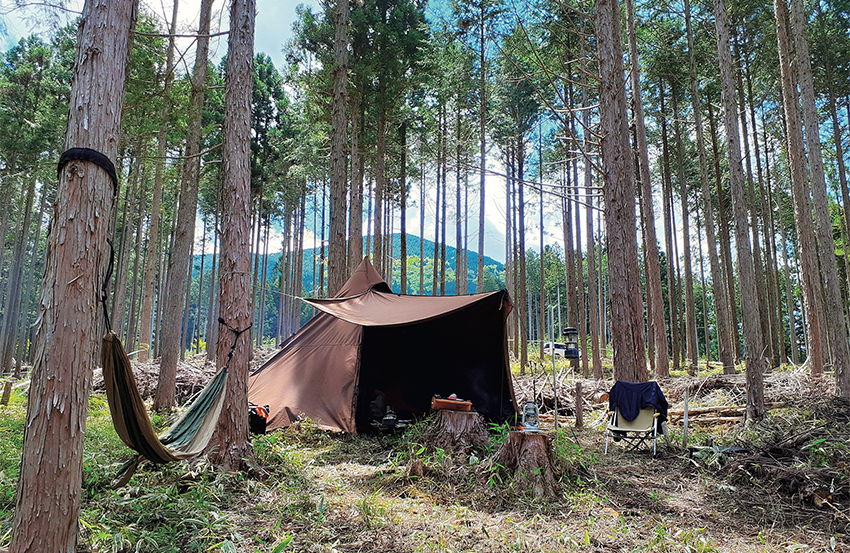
(493, 268)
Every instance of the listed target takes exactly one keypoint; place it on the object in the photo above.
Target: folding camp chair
(635, 433)
(637, 414)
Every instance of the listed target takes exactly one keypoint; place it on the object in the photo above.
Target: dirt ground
(781, 487)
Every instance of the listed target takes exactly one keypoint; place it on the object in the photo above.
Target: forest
(444, 102)
(667, 178)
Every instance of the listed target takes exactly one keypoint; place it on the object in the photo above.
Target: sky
(273, 28)
(274, 20)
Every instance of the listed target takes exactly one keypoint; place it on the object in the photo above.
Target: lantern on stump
(571, 340)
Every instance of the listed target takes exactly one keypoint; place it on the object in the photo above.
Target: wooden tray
(451, 404)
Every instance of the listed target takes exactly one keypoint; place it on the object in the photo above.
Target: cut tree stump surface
(458, 430)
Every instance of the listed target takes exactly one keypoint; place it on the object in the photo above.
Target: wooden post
(685, 422)
(579, 407)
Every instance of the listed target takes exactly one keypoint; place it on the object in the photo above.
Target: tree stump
(457, 431)
(7, 393)
(528, 458)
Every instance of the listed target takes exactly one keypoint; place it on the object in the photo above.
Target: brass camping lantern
(571, 340)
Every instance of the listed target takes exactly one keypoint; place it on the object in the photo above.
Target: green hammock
(185, 439)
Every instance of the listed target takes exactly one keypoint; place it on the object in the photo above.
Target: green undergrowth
(12, 420)
(313, 490)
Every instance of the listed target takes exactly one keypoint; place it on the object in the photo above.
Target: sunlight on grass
(316, 490)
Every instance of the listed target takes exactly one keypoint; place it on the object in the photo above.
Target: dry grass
(358, 494)
(786, 489)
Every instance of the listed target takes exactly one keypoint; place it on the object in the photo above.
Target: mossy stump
(528, 458)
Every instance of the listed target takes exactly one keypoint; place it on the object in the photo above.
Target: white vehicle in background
(560, 349)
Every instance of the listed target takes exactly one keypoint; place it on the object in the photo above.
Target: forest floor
(784, 487)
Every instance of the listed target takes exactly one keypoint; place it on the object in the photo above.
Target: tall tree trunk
(162, 280)
(179, 269)
(441, 167)
(422, 231)
(826, 246)
(522, 285)
(197, 333)
(620, 224)
(542, 283)
(285, 275)
(515, 278)
(229, 447)
(592, 296)
(132, 327)
(380, 185)
(355, 225)
(152, 257)
(603, 300)
(482, 127)
(772, 311)
(572, 184)
(669, 235)
(510, 281)
(264, 284)
(725, 249)
(443, 216)
(790, 300)
(119, 299)
(8, 330)
(754, 210)
(187, 308)
(655, 300)
(49, 491)
(807, 244)
(403, 211)
(842, 173)
(753, 339)
(783, 356)
(569, 248)
(706, 335)
(25, 332)
(582, 308)
(723, 316)
(212, 305)
(321, 241)
(6, 194)
(369, 218)
(460, 275)
(690, 304)
(337, 259)
(466, 233)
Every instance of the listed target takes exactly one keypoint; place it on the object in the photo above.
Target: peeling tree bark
(337, 266)
(230, 448)
(620, 223)
(49, 488)
(826, 245)
(721, 303)
(655, 317)
(179, 267)
(756, 363)
(807, 245)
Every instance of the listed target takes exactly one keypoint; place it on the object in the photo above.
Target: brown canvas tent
(368, 340)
